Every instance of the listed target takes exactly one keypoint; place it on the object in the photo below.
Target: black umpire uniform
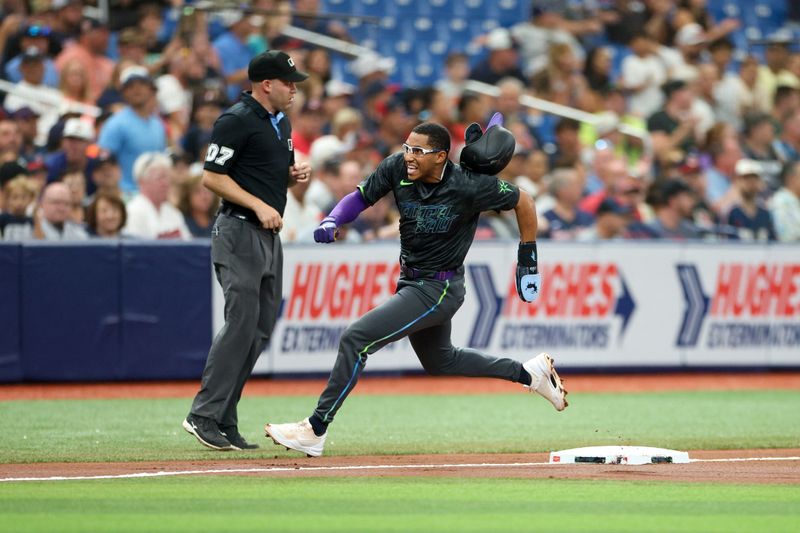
(253, 147)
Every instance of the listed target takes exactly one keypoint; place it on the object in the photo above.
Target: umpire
(249, 163)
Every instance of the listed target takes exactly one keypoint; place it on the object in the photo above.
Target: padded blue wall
(104, 311)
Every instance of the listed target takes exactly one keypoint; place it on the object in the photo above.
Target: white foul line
(345, 469)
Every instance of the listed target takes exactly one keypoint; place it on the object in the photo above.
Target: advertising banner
(601, 305)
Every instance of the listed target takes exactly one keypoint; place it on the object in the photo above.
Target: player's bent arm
(525, 210)
(347, 210)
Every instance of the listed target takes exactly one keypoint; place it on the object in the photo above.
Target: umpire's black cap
(274, 65)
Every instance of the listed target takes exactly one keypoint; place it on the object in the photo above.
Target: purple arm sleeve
(348, 208)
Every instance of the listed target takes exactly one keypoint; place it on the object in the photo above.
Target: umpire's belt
(416, 273)
(242, 213)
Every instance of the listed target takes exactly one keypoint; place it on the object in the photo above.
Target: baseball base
(619, 455)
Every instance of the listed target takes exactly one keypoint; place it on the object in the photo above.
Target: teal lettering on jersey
(430, 218)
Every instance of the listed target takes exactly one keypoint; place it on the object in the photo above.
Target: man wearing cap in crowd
(137, 127)
(751, 221)
(32, 92)
(38, 37)
(250, 164)
(76, 136)
(90, 50)
(502, 60)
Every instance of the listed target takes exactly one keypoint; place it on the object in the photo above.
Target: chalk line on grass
(352, 468)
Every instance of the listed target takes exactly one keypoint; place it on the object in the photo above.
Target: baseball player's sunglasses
(418, 151)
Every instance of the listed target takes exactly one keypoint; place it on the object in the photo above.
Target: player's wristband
(526, 254)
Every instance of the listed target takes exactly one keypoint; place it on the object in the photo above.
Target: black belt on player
(416, 273)
(242, 213)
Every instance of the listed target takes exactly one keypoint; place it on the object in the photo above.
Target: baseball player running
(439, 204)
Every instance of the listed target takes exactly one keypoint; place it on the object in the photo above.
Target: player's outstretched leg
(545, 380)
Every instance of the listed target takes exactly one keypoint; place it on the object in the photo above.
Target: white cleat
(298, 436)
(545, 380)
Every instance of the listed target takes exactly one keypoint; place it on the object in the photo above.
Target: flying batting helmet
(490, 153)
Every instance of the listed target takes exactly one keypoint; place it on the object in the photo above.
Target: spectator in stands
(787, 147)
(732, 96)
(371, 70)
(136, 128)
(568, 143)
(10, 140)
(690, 41)
(785, 204)
(393, 127)
(18, 195)
(307, 126)
(35, 94)
(67, 17)
(673, 202)
(337, 96)
(609, 223)
(597, 70)
(301, 216)
(719, 176)
(757, 144)
(174, 92)
(77, 135)
(786, 101)
(565, 219)
(547, 26)
(34, 36)
(76, 183)
(106, 216)
(27, 121)
(673, 128)
(89, 50)
(52, 222)
(609, 169)
(233, 52)
(775, 72)
(105, 176)
(751, 220)
(561, 80)
(456, 73)
(198, 204)
(643, 74)
(532, 178)
(74, 84)
(150, 215)
(502, 60)
(209, 103)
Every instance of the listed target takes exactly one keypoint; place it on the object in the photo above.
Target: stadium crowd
(104, 124)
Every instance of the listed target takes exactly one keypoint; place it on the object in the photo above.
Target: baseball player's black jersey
(245, 146)
(437, 221)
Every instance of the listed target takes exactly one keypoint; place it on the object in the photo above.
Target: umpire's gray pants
(248, 262)
(420, 309)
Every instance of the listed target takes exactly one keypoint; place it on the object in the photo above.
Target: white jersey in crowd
(647, 74)
(785, 210)
(300, 220)
(145, 221)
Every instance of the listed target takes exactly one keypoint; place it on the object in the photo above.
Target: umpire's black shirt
(438, 221)
(246, 146)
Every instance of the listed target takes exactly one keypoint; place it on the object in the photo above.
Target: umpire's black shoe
(235, 438)
(207, 432)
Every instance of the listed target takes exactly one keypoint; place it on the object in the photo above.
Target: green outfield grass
(148, 429)
(391, 504)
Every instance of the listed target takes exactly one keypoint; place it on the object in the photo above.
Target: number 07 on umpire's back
(439, 204)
